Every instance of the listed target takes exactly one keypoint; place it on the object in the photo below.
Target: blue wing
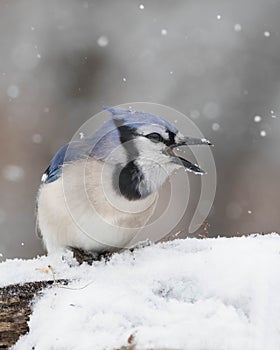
(99, 145)
(68, 153)
(54, 170)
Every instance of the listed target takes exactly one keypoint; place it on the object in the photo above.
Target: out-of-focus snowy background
(216, 61)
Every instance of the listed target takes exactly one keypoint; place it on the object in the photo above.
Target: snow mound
(187, 294)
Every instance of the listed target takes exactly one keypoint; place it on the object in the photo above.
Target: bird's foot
(88, 256)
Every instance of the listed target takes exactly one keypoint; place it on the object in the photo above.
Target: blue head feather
(103, 141)
(128, 116)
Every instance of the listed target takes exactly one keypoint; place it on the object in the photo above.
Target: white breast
(81, 209)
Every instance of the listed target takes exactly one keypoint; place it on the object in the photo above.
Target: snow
(215, 126)
(272, 114)
(13, 173)
(237, 27)
(13, 91)
(102, 41)
(187, 294)
(37, 138)
(263, 133)
(257, 118)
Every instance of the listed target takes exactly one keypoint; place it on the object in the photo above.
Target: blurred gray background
(216, 61)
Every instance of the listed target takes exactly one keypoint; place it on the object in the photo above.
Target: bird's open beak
(181, 140)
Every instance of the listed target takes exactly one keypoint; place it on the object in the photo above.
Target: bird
(100, 190)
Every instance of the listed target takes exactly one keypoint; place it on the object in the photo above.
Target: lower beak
(193, 168)
(187, 141)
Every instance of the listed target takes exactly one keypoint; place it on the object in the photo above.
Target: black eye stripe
(171, 137)
(155, 137)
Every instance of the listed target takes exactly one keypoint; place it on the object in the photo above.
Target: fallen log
(16, 307)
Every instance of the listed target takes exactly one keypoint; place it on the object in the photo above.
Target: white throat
(156, 168)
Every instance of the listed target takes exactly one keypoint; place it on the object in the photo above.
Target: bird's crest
(132, 117)
(117, 111)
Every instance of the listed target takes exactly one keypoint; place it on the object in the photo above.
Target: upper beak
(181, 140)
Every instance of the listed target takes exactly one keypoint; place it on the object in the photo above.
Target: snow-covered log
(15, 309)
(194, 294)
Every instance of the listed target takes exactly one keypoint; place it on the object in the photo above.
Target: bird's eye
(155, 137)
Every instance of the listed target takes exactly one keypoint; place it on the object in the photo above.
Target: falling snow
(13, 91)
(164, 32)
(103, 41)
(257, 118)
(266, 34)
(37, 138)
(237, 27)
(263, 133)
(13, 173)
(272, 114)
(215, 126)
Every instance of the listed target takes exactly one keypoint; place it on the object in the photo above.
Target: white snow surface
(221, 293)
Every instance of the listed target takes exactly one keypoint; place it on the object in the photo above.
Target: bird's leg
(88, 256)
(84, 256)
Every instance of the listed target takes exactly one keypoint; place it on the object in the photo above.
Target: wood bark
(16, 307)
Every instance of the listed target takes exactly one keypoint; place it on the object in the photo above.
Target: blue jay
(100, 190)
